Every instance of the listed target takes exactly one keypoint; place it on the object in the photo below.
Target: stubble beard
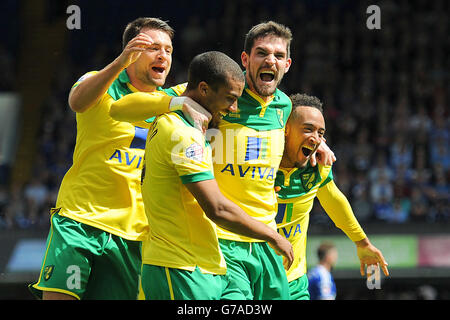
(264, 90)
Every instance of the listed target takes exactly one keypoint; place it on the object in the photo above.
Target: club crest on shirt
(194, 152)
(308, 180)
(48, 271)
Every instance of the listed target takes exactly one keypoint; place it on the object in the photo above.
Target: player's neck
(251, 87)
(286, 163)
(263, 98)
(142, 86)
(196, 96)
(138, 84)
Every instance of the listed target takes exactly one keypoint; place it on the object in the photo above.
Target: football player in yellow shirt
(298, 183)
(182, 258)
(245, 169)
(98, 223)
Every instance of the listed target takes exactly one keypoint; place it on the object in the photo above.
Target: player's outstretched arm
(139, 106)
(230, 216)
(89, 91)
(339, 210)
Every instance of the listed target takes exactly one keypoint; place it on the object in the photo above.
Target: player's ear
(288, 64)
(287, 129)
(244, 59)
(203, 88)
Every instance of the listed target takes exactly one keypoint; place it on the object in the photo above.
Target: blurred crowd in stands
(385, 95)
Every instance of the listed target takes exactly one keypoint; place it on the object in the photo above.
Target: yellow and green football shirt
(102, 187)
(247, 149)
(247, 152)
(181, 236)
(299, 188)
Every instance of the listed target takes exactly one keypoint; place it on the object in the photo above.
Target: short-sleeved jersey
(248, 147)
(181, 236)
(299, 187)
(321, 284)
(102, 187)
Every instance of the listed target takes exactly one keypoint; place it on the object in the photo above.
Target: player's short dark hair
(214, 68)
(304, 100)
(134, 28)
(323, 249)
(268, 28)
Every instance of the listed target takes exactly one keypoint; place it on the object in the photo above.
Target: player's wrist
(362, 243)
(118, 64)
(176, 103)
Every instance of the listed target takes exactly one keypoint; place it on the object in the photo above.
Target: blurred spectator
(401, 152)
(16, 207)
(440, 195)
(420, 122)
(381, 190)
(362, 156)
(419, 206)
(35, 192)
(440, 153)
(321, 282)
(399, 211)
(382, 209)
(361, 206)
(379, 168)
(361, 185)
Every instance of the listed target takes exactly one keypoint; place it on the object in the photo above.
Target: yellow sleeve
(140, 106)
(84, 76)
(339, 210)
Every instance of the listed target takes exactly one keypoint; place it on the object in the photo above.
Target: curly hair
(304, 100)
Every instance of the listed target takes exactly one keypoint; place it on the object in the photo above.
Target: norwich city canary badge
(48, 270)
(308, 180)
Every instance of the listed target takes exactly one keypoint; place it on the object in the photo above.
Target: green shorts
(256, 270)
(88, 263)
(163, 283)
(298, 288)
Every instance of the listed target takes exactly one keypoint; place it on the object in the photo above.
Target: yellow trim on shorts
(46, 250)
(169, 282)
(37, 286)
(141, 294)
(57, 290)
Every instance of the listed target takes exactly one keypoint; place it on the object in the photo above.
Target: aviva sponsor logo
(256, 149)
(284, 214)
(138, 142)
(290, 231)
(253, 172)
(127, 158)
